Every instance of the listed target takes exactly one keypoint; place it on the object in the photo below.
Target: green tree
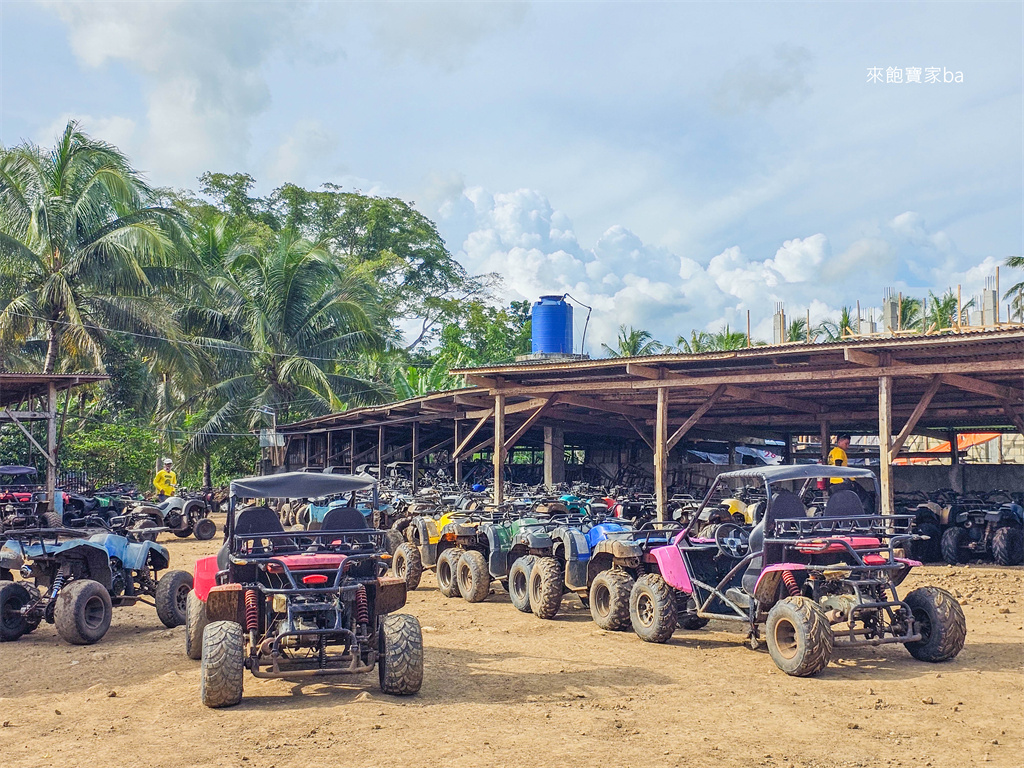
(910, 313)
(699, 341)
(83, 246)
(1016, 292)
(727, 339)
(481, 334)
(837, 330)
(633, 342)
(942, 310)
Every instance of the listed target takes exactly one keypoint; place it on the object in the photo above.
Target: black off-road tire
(954, 546)
(13, 597)
(184, 533)
(688, 618)
(473, 577)
(927, 551)
(171, 597)
(546, 587)
(519, 582)
(138, 531)
(1008, 546)
(205, 529)
(652, 609)
(82, 612)
(800, 639)
(220, 679)
(393, 540)
(609, 599)
(196, 620)
(446, 571)
(52, 520)
(939, 619)
(400, 668)
(407, 564)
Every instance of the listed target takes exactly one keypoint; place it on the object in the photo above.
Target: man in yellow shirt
(166, 481)
(837, 456)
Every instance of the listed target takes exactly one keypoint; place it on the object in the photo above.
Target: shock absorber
(791, 585)
(252, 610)
(362, 606)
(58, 582)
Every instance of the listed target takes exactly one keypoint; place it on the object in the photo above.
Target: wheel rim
(400, 569)
(181, 598)
(645, 610)
(94, 613)
(9, 613)
(519, 583)
(786, 638)
(602, 600)
(464, 579)
(924, 625)
(444, 572)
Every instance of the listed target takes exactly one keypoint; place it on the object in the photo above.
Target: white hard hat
(168, 461)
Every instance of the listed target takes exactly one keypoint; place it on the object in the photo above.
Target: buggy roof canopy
(14, 469)
(784, 472)
(298, 485)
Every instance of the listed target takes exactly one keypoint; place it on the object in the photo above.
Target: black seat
(845, 503)
(253, 521)
(786, 505)
(346, 519)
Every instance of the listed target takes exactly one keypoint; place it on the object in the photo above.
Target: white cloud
(532, 245)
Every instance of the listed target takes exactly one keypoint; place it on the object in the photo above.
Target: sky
(671, 165)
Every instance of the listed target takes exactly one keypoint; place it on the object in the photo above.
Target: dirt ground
(505, 688)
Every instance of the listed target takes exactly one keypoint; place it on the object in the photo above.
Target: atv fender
(226, 602)
(97, 561)
(134, 556)
(670, 563)
(390, 595)
(769, 578)
(206, 576)
(577, 554)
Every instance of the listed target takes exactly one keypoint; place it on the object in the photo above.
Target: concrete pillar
(554, 456)
(885, 443)
(661, 455)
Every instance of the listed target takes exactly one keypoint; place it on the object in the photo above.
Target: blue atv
(75, 582)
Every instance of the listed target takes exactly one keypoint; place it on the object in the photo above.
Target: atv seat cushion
(320, 561)
(814, 547)
(344, 519)
(845, 503)
(253, 521)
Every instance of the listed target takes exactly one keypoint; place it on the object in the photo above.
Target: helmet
(167, 461)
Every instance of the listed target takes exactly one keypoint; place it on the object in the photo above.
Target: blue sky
(671, 164)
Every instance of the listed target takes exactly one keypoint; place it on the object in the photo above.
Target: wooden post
(499, 449)
(885, 442)
(554, 456)
(826, 438)
(415, 453)
(956, 469)
(352, 451)
(788, 457)
(748, 327)
(51, 445)
(732, 453)
(457, 460)
(380, 453)
(661, 455)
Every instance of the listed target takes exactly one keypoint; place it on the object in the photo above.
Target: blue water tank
(552, 326)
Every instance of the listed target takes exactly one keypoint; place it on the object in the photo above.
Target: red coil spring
(791, 585)
(252, 610)
(362, 607)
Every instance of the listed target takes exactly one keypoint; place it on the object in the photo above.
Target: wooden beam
(51, 444)
(380, 452)
(639, 431)
(860, 357)
(772, 399)
(826, 440)
(351, 451)
(526, 405)
(908, 428)
(480, 446)
(644, 371)
(1015, 418)
(499, 449)
(19, 425)
(511, 442)
(431, 449)
(661, 456)
(24, 415)
(461, 447)
(457, 461)
(600, 405)
(483, 381)
(414, 461)
(884, 443)
(695, 416)
(998, 391)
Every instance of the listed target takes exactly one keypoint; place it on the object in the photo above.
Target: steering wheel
(732, 540)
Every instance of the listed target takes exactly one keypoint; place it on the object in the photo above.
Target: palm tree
(633, 342)
(797, 331)
(836, 330)
(84, 245)
(727, 339)
(910, 313)
(942, 310)
(288, 325)
(699, 341)
(1016, 291)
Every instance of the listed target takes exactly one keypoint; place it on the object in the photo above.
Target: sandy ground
(505, 688)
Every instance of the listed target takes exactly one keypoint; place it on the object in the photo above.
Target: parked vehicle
(810, 583)
(299, 605)
(186, 514)
(982, 532)
(75, 583)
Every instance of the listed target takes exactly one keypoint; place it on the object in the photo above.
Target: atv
(978, 533)
(75, 582)
(302, 604)
(186, 514)
(811, 583)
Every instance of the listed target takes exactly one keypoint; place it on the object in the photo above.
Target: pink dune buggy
(815, 570)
